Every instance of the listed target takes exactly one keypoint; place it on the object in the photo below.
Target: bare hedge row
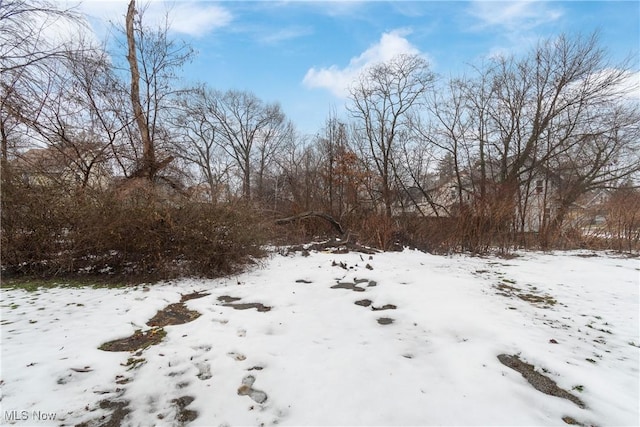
(141, 230)
(50, 231)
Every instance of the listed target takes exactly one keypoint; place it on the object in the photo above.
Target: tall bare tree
(381, 103)
(199, 139)
(153, 60)
(249, 126)
(26, 52)
(332, 143)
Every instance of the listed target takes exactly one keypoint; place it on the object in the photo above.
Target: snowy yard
(339, 339)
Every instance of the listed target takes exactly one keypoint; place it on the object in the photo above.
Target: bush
(143, 231)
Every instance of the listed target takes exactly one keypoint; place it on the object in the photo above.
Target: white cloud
(512, 15)
(337, 80)
(631, 86)
(284, 34)
(198, 19)
(628, 86)
(185, 17)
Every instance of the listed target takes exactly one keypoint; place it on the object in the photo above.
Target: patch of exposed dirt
(353, 286)
(193, 295)
(139, 340)
(230, 302)
(184, 415)
(545, 300)
(346, 285)
(384, 307)
(539, 381)
(573, 422)
(173, 314)
(533, 297)
(119, 408)
(385, 320)
(367, 303)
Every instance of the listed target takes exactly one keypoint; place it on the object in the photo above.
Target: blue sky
(303, 54)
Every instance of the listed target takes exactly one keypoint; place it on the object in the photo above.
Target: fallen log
(336, 225)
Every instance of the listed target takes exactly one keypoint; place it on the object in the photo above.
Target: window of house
(539, 186)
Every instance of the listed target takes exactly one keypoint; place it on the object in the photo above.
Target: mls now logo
(16, 415)
(27, 415)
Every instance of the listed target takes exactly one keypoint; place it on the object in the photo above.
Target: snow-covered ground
(320, 359)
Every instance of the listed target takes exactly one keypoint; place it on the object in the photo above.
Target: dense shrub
(140, 232)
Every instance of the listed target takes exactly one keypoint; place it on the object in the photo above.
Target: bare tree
(26, 52)
(557, 115)
(331, 142)
(603, 152)
(248, 125)
(79, 115)
(269, 148)
(381, 102)
(199, 139)
(152, 59)
(24, 42)
(563, 100)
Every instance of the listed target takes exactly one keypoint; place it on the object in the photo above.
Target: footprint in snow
(246, 389)
(367, 303)
(204, 371)
(237, 356)
(385, 320)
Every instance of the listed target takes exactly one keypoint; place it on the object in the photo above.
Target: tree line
(106, 144)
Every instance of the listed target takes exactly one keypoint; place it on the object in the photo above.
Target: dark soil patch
(508, 289)
(363, 302)
(245, 306)
(303, 281)
(385, 307)
(184, 415)
(572, 421)
(592, 255)
(193, 295)
(120, 410)
(350, 286)
(227, 298)
(173, 314)
(139, 340)
(385, 320)
(540, 382)
(543, 300)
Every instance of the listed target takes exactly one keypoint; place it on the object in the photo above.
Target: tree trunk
(5, 142)
(246, 180)
(148, 167)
